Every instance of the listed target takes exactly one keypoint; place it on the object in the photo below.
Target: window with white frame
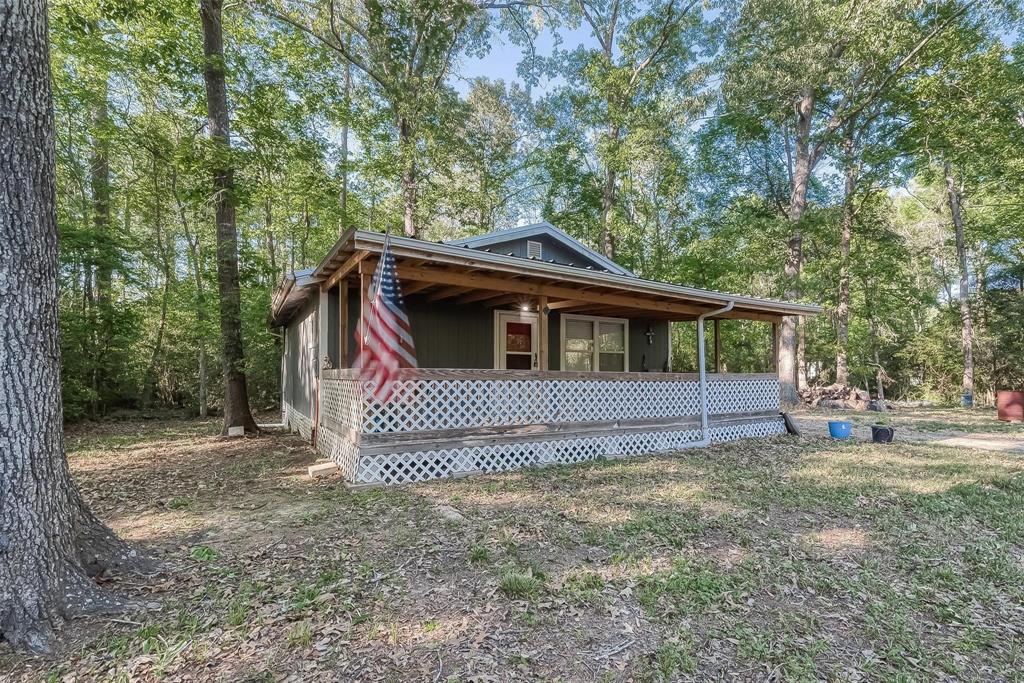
(592, 344)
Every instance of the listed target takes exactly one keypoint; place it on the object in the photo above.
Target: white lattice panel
(407, 467)
(753, 395)
(340, 401)
(460, 403)
(297, 422)
(341, 449)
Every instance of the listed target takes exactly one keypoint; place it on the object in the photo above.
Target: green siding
(449, 335)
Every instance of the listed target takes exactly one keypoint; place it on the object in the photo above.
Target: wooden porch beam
(514, 286)
(343, 271)
(478, 296)
(567, 303)
(447, 292)
(413, 287)
(503, 299)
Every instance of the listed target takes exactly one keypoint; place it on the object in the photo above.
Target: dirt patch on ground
(784, 559)
(951, 428)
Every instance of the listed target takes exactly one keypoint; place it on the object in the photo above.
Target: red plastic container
(1010, 406)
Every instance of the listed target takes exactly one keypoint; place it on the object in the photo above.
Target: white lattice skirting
(442, 423)
(296, 421)
(421, 465)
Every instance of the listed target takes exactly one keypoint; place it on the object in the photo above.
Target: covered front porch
(522, 363)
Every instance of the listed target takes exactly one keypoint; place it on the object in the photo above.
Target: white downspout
(705, 435)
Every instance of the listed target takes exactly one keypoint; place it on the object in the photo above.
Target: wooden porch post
(542, 315)
(775, 347)
(343, 324)
(323, 335)
(366, 269)
(718, 347)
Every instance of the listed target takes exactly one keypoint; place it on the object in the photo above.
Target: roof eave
(374, 241)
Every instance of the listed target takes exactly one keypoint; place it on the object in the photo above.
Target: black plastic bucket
(880, 434)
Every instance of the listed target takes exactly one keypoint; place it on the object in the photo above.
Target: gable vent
(534, 250)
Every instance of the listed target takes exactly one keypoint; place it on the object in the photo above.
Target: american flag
(386, 336)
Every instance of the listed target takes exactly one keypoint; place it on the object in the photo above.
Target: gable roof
(452, 270)
(533, 230)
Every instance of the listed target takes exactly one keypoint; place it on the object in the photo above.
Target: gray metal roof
(533, 230)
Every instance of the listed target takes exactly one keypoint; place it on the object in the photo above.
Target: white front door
(515, 340)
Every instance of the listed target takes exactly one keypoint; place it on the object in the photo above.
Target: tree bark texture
(608, 195)
(99, 181)
(954, 197)
(49, 541)
(236, 392)
(846, 232)
(407, 149)
(343, 199)
(802, 168)
(195, 258)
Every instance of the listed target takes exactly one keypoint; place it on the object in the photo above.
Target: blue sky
(504, 57)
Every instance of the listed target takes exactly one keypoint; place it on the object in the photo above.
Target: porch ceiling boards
(463, 275)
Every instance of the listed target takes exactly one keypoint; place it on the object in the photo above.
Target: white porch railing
(449, 422)
(426, 400)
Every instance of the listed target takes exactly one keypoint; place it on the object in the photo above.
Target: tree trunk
(99, 181)
(195, 258)
(268, 222)
(236, 392)
(343, 200)
(49, 541)
(953, 196)
(407, 150)
(306, 229)
(794, 258)
(843, 306)
(149, 381)
(608, 195)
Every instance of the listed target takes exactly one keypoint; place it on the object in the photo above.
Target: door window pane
(517, 361)
(518, 337)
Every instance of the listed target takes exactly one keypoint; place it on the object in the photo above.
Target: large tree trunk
(99, 181)
(149, 380)
(802, 168)
(407, 150)
(343, 199)
(953, 196)
(608, 195)
(195, 258)
(236, 392)
(49, 541)
(843, 305)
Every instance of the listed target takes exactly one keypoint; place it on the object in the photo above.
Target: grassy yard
(783, 559)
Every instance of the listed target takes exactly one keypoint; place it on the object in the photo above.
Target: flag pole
(377, 274)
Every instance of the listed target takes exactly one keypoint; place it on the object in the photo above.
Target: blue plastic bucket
(839, 429)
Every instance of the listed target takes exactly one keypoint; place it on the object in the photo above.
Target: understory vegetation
(787, 559)
(801, 150)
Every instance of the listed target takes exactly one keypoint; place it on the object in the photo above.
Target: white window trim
(597, 350)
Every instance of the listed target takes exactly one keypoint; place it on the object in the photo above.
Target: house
(532, 348)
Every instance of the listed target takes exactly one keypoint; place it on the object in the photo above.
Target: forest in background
(866, 156)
